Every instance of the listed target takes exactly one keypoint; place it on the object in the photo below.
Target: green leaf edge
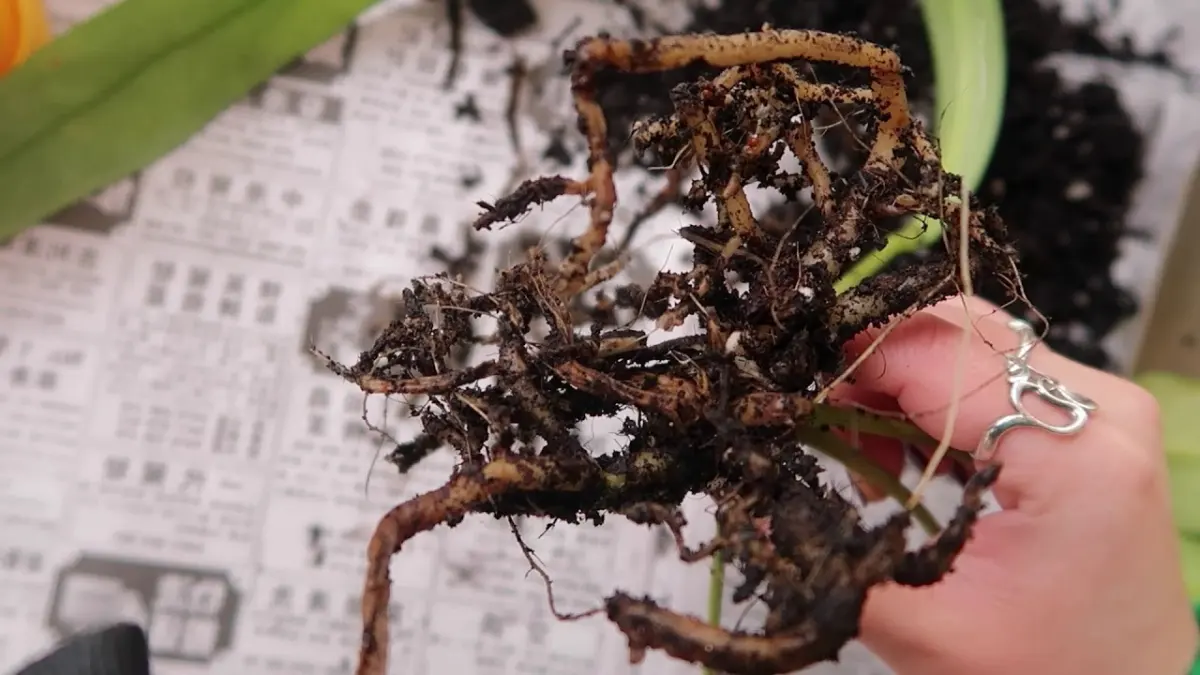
(1178, 399)
(253, 40)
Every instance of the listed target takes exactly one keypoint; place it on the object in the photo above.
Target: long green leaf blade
(93, 58)
(126, 87)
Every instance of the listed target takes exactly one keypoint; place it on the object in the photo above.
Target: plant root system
(719, 410)
(1067, 155)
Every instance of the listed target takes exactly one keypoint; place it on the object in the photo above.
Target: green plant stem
(716, 592)
(849, 457)
(865, 422)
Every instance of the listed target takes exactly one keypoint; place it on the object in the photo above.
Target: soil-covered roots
(720, 412)
(808, 627)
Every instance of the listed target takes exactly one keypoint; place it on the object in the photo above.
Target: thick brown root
(829, 625)
(462, 494)
(648, 626)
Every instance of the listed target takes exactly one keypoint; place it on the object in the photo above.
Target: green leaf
(1190, 553)
(1184, 481)
(1178, 399)
(970, 70)
(132, 83)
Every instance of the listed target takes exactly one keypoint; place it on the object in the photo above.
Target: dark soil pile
(1066, 165)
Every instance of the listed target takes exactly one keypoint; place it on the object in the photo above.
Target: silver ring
(1024, 379)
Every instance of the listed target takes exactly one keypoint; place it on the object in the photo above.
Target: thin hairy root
(967, 288)
(667, 195)
(527, 195)
(533, 565)
(800, 138)
(678, 398)
(428, 384)
(602, 274)
(733, 207)
(670, 517)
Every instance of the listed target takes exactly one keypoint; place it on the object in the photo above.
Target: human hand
(1079, 574)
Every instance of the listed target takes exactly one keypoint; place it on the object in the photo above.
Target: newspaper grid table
(173, 455)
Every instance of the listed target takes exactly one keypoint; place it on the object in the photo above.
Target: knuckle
(1144, 473)
(1140, 405)
(1133, 474)
(1136, 462)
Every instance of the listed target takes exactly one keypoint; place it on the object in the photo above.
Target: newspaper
(173, 455)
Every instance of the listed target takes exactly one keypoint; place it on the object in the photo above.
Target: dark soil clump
(1067, 161)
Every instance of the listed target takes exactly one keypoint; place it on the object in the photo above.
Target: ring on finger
(1025, 379)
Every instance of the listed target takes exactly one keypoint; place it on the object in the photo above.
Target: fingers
(1073, 504)
(916, 364)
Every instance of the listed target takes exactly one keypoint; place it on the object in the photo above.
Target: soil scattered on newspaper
(720, 374)
(1067, 162)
